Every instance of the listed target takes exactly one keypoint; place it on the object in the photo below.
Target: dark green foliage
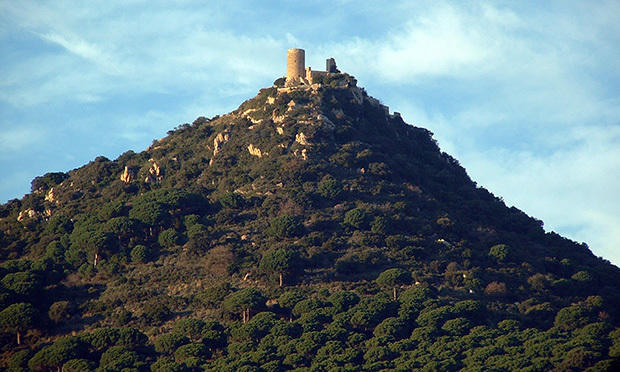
(117, 358)
(48, 180)
(151, 213)
(356, 218)
(168, 238)
(231, 200)
(140, 254)
(24, 285)
(18, 318)
(244, 301)
(169, 342)
(102, 338)
(343, 301)
(282, 262)
(156, 312)
(57, 354)
(393, 329)
(393, 278)
(330, 188)
(457, 326)
(501, 252)
(572, 317)
(167, 364)
(285, 227)
(184, 352)
(78, 365)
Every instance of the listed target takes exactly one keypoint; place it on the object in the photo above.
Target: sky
(524, 94)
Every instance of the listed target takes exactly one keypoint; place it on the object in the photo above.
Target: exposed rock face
(255, 151)
(302, 154)
(302, 139)
(129, 174)
(156, 173)
(27, 214)
(280, 130)
(220, 140)
(50, 195)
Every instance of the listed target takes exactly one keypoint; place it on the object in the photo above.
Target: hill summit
(309, 229)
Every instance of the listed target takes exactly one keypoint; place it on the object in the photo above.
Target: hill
(309, 229)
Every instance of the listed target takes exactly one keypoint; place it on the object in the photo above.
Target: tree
(169, 342)
(356, 218)
(122, 227)
(25, 284)
(192, 328)
(244, 301)
(18, 318)
(343, 301)
(118, 358)
(78, 365)
(285, 227)
(99, 243)
(140, 254)
(168, 238)
(392, 278)
(57, 354)
(282, 262)
(330, 188)
(151, 213)
(501, 252)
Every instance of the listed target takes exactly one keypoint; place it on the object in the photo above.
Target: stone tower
(295, 64)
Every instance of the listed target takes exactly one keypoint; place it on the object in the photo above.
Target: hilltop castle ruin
(297, 72)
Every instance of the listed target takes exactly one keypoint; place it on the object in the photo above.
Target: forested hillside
(309, 229)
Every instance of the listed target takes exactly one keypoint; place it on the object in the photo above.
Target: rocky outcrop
(255, 151)
(302, 139)
(49, 196)
(156, 173)
(28, 215)
(129, 174)
(303, 154)
(220, 140)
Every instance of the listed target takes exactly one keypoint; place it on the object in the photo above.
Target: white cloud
(18, 138)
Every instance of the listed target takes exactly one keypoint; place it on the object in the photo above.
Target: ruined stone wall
(312, 75)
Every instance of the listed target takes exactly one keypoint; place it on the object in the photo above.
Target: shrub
(168, 238)
(184, 352)
(285, 226)
(501, 252)
(356, 218)
(457, 327)
(330, 188)
(140, 254)
(59, 311)
(231, 200)
(169, 342)
(156, 312)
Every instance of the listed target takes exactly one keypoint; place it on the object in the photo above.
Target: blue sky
(524, 94)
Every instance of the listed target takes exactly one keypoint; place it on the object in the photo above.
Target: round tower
(295, 63)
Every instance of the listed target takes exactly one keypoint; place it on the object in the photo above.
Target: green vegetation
(358, 245)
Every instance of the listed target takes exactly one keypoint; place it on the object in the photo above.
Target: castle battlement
(297, 73)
